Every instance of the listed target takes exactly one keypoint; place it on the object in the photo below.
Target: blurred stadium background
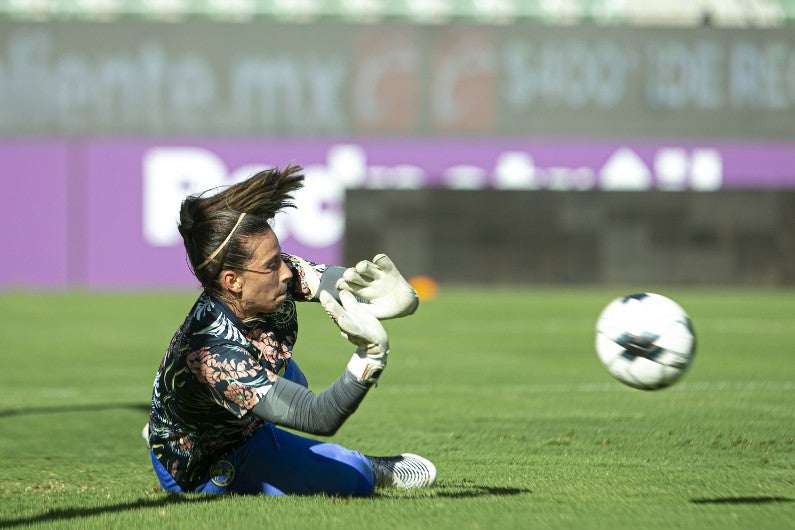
(476, 141)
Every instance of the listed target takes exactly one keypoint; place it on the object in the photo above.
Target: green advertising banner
(335, 79)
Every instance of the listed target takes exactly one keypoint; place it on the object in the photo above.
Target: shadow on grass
(91, 407)
(65, 514)
(742, 500)
(453, 492)
(475, 491)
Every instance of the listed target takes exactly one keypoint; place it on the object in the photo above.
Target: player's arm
(291, 405)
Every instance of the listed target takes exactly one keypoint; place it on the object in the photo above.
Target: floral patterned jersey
(214, 371)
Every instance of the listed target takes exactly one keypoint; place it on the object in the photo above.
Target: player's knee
(366, 485)
(294, 373)
(362, 486)
(356, 474)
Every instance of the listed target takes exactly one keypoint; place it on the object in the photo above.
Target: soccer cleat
(403, 471)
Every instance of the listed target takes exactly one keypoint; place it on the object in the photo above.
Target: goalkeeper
(227, 382)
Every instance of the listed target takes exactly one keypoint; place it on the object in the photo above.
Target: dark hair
(207, 220)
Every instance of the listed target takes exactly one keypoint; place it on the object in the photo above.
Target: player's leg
(166, 480)
(294, 373)
(275, 462)
(218, 482)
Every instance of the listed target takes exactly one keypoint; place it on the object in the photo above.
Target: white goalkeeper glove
(363, 330)
(379, 284)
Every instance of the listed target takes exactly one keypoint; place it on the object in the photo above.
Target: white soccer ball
(645, 340)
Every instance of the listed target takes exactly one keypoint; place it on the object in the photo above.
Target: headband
(222, 245)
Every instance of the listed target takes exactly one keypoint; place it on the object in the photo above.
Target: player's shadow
(445, 491)
(475, 491)
(66, 514)
(743, 500)
(91, 407)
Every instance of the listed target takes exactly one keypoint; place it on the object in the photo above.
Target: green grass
(499, 387)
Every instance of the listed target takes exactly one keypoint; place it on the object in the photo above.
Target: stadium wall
(729, 237)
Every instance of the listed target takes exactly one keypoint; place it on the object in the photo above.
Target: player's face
(266, 277)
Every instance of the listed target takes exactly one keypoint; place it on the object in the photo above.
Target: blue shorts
(277, 462)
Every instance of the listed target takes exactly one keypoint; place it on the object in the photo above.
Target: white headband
(222, 245)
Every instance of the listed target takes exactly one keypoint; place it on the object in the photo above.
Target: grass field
(500, 388)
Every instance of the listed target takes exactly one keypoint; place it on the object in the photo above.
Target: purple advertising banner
(37, 218)
(102, 214)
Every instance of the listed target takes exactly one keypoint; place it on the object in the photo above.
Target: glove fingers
(355, 310)
(363, 291)
(351, 305)
(368, 269)
(352, 277)
(363, 329)
(342, 285)
(365, 272)
(383, 262)
(332, 307)
(340, 315)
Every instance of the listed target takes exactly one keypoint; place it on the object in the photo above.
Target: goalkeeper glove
(363, 330)
(379, 284)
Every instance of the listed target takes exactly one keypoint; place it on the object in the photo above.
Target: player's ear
(231, 281)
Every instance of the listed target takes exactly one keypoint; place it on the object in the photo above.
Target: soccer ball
(645, 340)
